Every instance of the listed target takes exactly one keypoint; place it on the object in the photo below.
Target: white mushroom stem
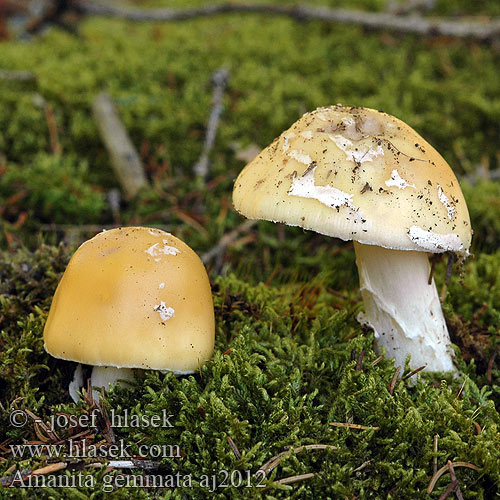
(402, 308)
(102, 376)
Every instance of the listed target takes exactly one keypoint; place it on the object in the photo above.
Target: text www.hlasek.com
(82, 450)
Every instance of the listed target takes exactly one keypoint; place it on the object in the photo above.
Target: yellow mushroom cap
(357, 174)
(133, 297)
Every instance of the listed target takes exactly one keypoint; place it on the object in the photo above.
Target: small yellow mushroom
(132, 297)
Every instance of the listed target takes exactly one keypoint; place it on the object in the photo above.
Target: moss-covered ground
(290, 356)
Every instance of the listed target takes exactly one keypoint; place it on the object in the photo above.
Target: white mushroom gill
(402, 307)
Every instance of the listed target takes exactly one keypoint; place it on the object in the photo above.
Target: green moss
(287, 341)
(54, 189)
(483, 201)
(284, 367)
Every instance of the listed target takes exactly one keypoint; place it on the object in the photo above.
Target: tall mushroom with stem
(132, 297)
(359, 174)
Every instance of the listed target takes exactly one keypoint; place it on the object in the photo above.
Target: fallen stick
(411, 6)
(458, 492)
(445, 468)
(226, 240)
(294, 479)
(273, 462)
(17, 76)
(354, 426)
(220, 79)
(479, 30)
(124, 157)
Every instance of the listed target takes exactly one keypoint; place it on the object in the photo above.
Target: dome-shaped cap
(133, 297)
(357, 174)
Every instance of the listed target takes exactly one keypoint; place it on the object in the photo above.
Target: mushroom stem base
(402, 308)
(103, 376)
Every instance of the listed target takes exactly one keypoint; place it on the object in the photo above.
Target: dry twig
(414, 372)
(354, 426)
(458, 492)
(448, 490)
(445, 468)
(294, 479)
(360, 360)
(220, 79)
(226, 240)
(435, 448)
(273, 462)
(411, 6)
(55, 145)
(362, 466)
(479, 30)
(124, 157)
(17, 76)
(233, 446)
(394, 381)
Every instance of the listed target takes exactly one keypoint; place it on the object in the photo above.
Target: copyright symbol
(18, 418)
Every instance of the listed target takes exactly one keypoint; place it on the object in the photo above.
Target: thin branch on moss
(354, 426)
(219, 79)
(55, 145)
(25, 474)
(360, 360)
(49, 469)
(39, 423)
(444, 469)
(226, 241)
(478, 427)
(376, 361)
(411, 6)
(394, 381)
(414, 372)
(17, 76)
(489, 374)
(273, 462)
(124, 158)
(294, 479)
(435, 449)
(133, 463)
(459, 393)
(452, 486)
(362, 466)
(11, 479)
(233, 446)
(416, 24)
(458, 492)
